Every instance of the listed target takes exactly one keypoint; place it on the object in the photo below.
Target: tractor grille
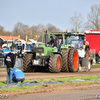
(40, 50)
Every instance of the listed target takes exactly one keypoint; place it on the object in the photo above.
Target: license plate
(36, 62)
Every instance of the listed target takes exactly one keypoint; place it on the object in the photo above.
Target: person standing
(98, 57)
(10, 62)
(1, 59)
(87, 48)
(19, 47)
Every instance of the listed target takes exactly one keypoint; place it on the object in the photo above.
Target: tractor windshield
(76, 43)
(28, 47)
(68, 40)
(10, 44)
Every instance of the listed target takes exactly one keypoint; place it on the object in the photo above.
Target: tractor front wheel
(27, 57)
(55, 63)
(73, 60)
(65, 55)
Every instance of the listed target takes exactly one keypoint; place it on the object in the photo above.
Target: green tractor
(63, 58)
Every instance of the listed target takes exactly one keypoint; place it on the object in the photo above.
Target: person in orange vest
(87, 48)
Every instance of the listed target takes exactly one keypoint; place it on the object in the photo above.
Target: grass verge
(49, 85)
(95, 66)
(67, 78)
(22, 88)
(51, 79)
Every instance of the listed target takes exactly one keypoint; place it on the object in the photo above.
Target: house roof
(36, 38)
(6, 38)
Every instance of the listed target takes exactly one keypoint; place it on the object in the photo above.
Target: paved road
(36, 75)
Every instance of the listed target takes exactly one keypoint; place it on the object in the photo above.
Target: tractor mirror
(84, 38)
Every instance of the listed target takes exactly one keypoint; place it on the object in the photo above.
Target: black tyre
(65, 56)
(27, 57)
(86, 63)
(55, 63)
(73, 60)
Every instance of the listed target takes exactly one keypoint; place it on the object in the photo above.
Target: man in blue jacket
(18, 75)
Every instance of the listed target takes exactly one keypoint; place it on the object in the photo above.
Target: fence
(2, 62)
(18, 63)
(92, 55)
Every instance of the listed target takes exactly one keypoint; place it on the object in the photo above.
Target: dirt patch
(43, 75)
(49, 88)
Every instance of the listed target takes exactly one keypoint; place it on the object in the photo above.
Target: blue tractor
(84, 62)
(75, 42)
(26, 47)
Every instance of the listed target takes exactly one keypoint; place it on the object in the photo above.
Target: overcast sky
(34, 12)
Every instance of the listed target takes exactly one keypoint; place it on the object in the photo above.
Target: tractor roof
(65, 33)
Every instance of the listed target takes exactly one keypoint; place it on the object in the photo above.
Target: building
(4, 39)
(36, 38)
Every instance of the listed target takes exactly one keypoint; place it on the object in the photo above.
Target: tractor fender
(56, 53)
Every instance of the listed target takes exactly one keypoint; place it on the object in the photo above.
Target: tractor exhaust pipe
(46, 38)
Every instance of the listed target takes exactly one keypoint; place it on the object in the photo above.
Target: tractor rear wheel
(65, 55)
(27, 57)
(73, 60)
(86, 64)
(55, 63)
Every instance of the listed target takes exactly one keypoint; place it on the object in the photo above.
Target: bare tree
(37, 30)
(76, 21)
(1, 30)
(22, 30)
(18, 29)
(94, 18)
(52, 28)
(33, 31)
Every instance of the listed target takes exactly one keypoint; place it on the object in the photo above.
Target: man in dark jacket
(52, 42)
(10, 62)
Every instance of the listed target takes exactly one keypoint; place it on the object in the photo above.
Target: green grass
(95, 65)
(60, 79)
(22, 88)
(69, 78)
(51, 79)
(2, 83)
(40, 86)
(75, 83)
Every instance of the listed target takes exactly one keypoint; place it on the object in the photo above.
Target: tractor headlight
(37, 54)
(40, 50)
(42, 54)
